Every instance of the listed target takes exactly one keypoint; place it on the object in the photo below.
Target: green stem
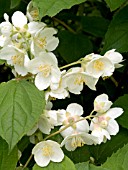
(65, 25)
(114, 81)
(65, 127)
(26, 164)
(71, 64)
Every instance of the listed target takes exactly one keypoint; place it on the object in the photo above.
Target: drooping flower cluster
(27, 46)
(76, 130)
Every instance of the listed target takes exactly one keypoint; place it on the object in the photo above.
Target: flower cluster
(75, 129)
(27, 46)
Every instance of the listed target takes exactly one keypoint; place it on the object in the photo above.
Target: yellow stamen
(47, 150)
(98, 65)
(45, 69)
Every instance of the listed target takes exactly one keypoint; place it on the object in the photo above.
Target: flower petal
(75, 109)
(113, 127)
(42, 82)
(19, 22)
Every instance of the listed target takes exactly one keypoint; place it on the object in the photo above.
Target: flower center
(47, 150)
(77, 141)
(18, 59)
(41, 42)
(103, 121)
(98, 65)
(45, 69)
(79, 80)
(34, 13)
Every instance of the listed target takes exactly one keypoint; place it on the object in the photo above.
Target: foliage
(70, 31)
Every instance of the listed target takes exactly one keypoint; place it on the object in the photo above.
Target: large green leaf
(52, 7)
(21, 103)
(114, 4)
(118, 161)
(66, 164)
(101, 152)
(123, 103)
(73, 46)
(7, 161)
(117, 34)
(87, 166)
(96, 26)
(15, 3)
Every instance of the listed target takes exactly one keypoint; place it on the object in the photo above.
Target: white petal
(49, 58)
(52, 43)
(82, 126)
(75, 109)
(113, 127)
(67, 142)
(19, 19)
(115, 57)
(6, 17)
(21, 70)
(90, 81)
(114, 112)
(6, 53)
(42, 82)
(44, 125)
(41, 160)
(55, 75)
(67, 132)
(33, 27)
(46, 32)
(58, 154)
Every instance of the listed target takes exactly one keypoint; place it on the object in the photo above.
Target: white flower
(114, 57)
(6, 26)
(19, 19)
(47, 151)
(44, 41)
(15, 57)
(4, 41)
(32, 12)
(75, 78)
(104, 125)
(44, 124)
(100, 66)
(71, 115)
(101, 103)
(34, 27)
(78, 139)
(58, 90)
(45, 66)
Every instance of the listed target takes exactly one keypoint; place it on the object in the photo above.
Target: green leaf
(4, 6)
(123, 103)
(96, 26)
(114, 4)
(21, 103)
(14, 3)
(117, 34)
(21, 168)
(73, 46)
(87, 166)
(52, 7)
(66, 164)
(101, 152)
(2, 62)
(118, 161)
(81, 154)
(7, 161)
